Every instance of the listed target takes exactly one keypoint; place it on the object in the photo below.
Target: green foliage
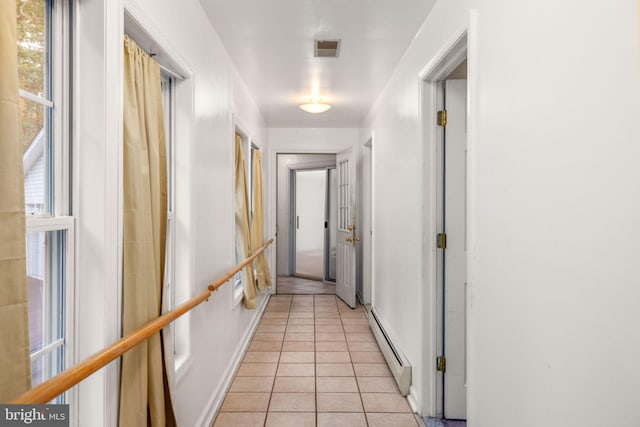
(32, 65)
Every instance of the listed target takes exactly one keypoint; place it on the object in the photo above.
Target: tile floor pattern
(296, 285)
(310, 263)
(313, 362)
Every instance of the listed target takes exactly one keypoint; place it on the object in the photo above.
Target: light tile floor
(297, 285)
(313, 362)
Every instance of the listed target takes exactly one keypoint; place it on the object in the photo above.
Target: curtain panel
(257, 225)
(15, 375)
(243, 232)
(144, 395)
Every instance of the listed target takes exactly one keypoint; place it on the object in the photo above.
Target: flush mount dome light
(315, 107)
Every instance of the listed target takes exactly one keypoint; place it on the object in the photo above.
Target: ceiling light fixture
(315, 107)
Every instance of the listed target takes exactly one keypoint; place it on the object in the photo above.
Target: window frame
(57, 215)
(149, 37)
(247, 144)
(168, 94)
(248, 147)
(180, 344)
(65, 224)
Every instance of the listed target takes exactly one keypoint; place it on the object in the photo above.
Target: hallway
(313, 361)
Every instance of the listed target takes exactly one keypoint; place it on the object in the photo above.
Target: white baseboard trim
(412, 398)
(396, 360)
(215, 401)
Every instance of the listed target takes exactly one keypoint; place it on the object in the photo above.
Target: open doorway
(306, 224)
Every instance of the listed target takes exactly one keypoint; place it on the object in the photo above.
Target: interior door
(347, 237)
(455, 254)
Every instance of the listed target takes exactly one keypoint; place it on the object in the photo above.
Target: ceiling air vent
(327, 48)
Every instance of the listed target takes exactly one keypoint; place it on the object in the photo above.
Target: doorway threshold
(439, 422)
(290, 285)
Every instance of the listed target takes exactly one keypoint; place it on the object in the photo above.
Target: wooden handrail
(43, 393)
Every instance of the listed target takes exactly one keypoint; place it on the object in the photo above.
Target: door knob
(349, 239)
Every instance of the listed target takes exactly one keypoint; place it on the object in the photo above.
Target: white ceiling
(271, 44)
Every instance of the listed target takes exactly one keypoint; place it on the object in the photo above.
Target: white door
(455, 254)
(347, 236)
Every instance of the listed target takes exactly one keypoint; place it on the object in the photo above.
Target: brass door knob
(349, 239)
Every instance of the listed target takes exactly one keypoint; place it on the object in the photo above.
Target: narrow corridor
(314, 362)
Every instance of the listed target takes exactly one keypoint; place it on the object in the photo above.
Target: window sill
(238, 293)
(183, 363)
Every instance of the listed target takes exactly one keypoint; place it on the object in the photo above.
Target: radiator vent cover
(326, 48)
(398, 363)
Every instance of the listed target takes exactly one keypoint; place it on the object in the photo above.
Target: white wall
(208, 104)
(313, 140)
(553, 211)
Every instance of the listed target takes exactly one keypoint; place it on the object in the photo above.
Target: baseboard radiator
(398, 363)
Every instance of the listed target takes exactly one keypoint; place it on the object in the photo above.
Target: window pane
(45, 273)
(32, 122)
(167, 105)
(35, 281)
(47, 366)
(32, 46)
(35, 137)
(168, 265)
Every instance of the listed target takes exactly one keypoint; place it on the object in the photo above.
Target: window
(248, 148)
(169, 276)
(237, 283)
(344, 213)
(174, 294)
(43, 72)
(175, 88)
(175, 291)
(46, 269)
(251, 179)
(252, 186)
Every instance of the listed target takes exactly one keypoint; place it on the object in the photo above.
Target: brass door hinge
(442, 118)
(441, 241)
(441, 361)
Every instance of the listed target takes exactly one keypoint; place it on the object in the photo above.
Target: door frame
(365, 218)
(448, 275)
(293, 230)
(274, 173)
(459, 47)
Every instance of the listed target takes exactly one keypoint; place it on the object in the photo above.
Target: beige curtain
(257, 224)
(243, 232)
(15, 375)
(144, 397)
